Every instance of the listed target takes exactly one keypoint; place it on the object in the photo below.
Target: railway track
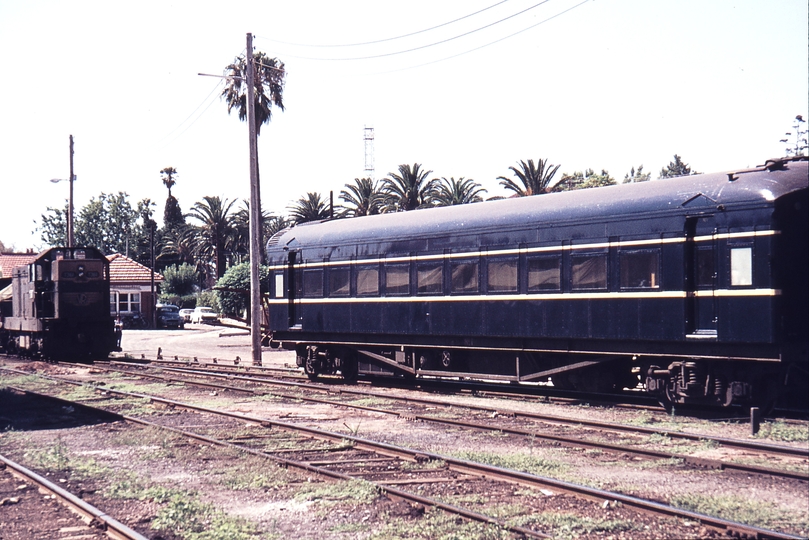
(506, 421)
(390, 468)
(96, 521)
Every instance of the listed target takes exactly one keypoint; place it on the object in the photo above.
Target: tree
(462, 191)
(312, 207)
(801, 142)
(584, 180)
(363, 197)
(634, 176)
(535, 179)
(233, 289)
(214, 234)
(108, 222)
(269, 81)
(168, 175)
(409, 189)
(676, 168)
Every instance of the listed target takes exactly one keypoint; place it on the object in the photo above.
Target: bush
(232, 301)
(188, 301)
(208, 299)
(179, 280)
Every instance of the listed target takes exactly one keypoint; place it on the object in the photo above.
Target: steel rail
(734, 443)
(88, 513)
(569, 441)
(467, 467)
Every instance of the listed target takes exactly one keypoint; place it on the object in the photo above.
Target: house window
(503, 275)
(465, 277)
(589, 271)
(127, 302)
(430, 279)
(544, 274)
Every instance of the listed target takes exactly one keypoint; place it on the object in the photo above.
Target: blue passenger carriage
(695, 287)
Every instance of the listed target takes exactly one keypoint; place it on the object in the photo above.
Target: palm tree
(535, 179)
(216, 233)
(310, 208)
(168, 175)
(462, 191)
(269, 77)
(364, 198)
(408, 190)
(241, 223)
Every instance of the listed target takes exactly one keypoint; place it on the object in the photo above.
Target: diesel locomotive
(694, 288)
(60, 307)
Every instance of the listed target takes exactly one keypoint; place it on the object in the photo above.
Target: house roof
(125, 270)
(9, 260)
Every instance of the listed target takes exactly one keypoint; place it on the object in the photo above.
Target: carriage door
(295, 283)
(700, 277)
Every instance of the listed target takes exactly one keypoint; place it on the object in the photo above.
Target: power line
(485, 45)
(390, 38)
(170, 133)
(370, 57)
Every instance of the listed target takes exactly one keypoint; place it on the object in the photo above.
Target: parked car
(204, 315)
(185, 314)
(168, 316)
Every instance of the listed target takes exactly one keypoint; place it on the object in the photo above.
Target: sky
(466, 89)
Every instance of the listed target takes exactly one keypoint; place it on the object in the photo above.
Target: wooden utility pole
(255, 211)
(70, 200)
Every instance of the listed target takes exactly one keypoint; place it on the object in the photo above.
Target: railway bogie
(694, 288)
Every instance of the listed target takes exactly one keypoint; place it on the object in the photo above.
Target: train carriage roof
(741, 187)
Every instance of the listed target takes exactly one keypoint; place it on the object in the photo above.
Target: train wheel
(310, 368)
(348, 367)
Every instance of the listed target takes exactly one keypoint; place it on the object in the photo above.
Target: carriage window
(705, 267)
(741, 267)
(397, 277)
(465, 277)
(640, 270)
(368, 281)
(339, 281)
(430, 279)
(503, 275)
(544, 274)
(279, 284)
(589, 271)
(313, 283)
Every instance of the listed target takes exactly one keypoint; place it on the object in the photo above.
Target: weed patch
(752, 512)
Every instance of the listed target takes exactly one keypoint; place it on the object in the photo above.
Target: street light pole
(70, 200)
(255, 212)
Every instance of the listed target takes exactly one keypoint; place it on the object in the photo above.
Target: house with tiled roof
(9, 260)
(130, 287)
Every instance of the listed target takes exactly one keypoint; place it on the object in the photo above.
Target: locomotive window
(368, 281)
(464, 277)
(741, 267)
(640, 269)
(339, 281)
(397, 277)
(503, 275)
(68, 274)
(544, 274)
(92, 274)
(705, 267)
(430, 279)
(313, 283)
(279, 284)
(589, 271)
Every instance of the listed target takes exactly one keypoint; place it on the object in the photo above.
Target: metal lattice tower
(369, 152)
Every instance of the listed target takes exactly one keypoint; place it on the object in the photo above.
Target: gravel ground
(276, 506)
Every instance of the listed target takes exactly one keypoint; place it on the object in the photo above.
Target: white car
(204, 315)
(185, 314)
